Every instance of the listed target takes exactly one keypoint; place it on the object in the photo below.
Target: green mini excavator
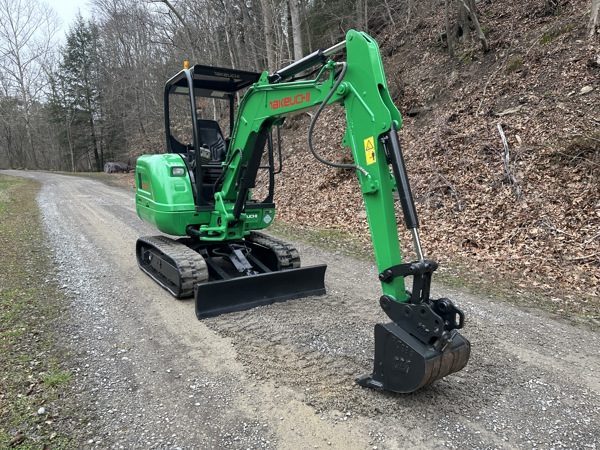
(201, 194)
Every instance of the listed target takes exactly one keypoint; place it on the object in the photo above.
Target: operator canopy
(212, 82)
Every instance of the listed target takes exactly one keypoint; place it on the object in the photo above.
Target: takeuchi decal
(290, 101)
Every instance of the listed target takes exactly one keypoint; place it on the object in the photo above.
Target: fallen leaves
(549, 237)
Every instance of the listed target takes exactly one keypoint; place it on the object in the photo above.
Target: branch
(180, 18)
(591, 239)
(506, 160)
(593, 18)
(583, 258)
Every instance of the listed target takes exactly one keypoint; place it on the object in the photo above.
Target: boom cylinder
(318, 57)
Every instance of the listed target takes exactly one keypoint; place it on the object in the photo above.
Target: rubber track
(288, 256)
(190, 264)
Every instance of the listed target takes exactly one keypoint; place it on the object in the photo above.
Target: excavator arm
(359, 85)
(421, 344)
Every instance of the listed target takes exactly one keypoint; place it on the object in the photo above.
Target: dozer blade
(242, 293)
(404, 364)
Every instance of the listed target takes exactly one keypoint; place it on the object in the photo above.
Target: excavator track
(173, 265)
(287, 256)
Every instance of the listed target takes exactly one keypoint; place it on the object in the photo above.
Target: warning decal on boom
(370, 150)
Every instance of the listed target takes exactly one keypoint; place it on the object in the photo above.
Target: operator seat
(211, 137)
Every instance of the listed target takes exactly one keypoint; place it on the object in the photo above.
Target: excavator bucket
(246, 292)
(421, 345)
(404, 364)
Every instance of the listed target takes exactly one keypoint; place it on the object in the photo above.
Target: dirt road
(282, 377)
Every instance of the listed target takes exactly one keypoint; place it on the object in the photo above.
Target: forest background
(500, 100)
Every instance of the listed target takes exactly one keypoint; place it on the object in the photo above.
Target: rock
(594, 63)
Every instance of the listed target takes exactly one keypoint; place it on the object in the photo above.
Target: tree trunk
(248, 29)
(389, 12)
(449, 34)
(70, 142)
(268, 30)
(480, 34)
(231, 37)
(361, 15)
(296, 29)
(230, 48)
(31, 152)
(467, 9)
(462, 31)
(94, 143)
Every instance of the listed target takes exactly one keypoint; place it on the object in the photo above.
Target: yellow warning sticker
(370, 150)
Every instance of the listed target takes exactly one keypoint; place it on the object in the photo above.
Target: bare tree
(182, 21)
(449, 37)
(140, 51)
(267, 11)
(27, 32)
(249, 31)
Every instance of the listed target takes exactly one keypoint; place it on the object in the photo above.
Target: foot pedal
(404, 364)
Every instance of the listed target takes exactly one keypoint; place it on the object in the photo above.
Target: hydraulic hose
(313, 122)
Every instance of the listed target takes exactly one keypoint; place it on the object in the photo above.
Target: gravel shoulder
(147, 374)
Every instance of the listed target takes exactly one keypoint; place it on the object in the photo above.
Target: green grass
(549, 36)
(30, 308)
(333, 240)
(56, 378)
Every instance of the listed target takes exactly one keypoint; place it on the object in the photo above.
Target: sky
(67, 10)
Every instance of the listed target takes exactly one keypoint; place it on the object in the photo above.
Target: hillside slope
(529, 219)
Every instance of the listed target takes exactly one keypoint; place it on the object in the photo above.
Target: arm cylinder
(406, 198)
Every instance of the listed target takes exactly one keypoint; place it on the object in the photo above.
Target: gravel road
(149, 375)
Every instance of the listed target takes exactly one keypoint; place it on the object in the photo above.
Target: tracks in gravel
(282, 376)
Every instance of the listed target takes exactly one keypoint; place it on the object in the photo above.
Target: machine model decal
(298, 99)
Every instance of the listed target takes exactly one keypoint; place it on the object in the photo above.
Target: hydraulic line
(219, 180)
(337, 83)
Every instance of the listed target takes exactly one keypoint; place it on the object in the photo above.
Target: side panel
(163, 199)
